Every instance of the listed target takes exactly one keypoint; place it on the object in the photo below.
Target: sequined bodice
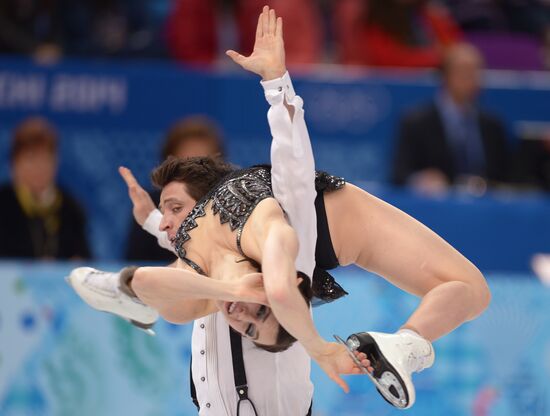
(234, 199)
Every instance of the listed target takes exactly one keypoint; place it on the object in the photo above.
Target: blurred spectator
(532, 167)
(113, 28)
(451, 140)
(478, 14)
(189, 137)
(38, 219)
(302, 26)
(347, 16)
(192, 31)
(512, 34)
(30, 27)
(407, 33)
(526, 16)
(47, 30)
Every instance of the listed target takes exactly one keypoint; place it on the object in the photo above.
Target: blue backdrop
(60, 357)
(113, 114)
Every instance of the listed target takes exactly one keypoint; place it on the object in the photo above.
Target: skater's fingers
(128, 176)
(338, 380)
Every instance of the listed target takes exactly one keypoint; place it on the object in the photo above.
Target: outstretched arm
(293, 167)
(270, 240)
(181, 295)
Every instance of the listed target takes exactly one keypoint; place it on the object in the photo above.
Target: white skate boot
(394, 358)
(108, 292)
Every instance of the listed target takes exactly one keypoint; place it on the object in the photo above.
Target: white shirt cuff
(277, 87)
(151, 224)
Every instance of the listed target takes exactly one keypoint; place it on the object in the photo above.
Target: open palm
(268, 57)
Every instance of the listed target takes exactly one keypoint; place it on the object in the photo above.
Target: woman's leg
(380, 238)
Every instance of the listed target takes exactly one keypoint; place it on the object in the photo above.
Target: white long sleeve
(293, 166)
(152, 226)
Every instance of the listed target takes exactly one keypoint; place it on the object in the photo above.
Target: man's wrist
(277, 87)
(273, 74)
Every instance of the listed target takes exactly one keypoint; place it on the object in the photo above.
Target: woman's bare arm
(268, 239)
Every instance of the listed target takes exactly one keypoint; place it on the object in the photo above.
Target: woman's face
(252, 320)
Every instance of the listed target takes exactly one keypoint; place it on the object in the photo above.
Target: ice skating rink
(60, 357)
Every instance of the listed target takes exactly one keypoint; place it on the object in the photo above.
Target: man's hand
(251, 289)
(334, 360)
(268, 56)
(143, 204)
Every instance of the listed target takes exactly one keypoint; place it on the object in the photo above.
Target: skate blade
(147, 328)
(149, 332)
(390, 398)
(354, 358)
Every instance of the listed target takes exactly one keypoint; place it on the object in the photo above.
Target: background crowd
(408, 33)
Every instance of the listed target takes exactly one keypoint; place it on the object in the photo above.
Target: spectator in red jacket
(192, 31)
(303, 24)
(404, 33)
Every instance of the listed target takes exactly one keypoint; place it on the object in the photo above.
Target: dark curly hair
(199, 174)
(284, 340)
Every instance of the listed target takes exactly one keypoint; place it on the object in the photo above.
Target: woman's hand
(268, 56)
(143, 204)
(334, 360)
(251, 289)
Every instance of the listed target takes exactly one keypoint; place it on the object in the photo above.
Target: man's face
(35, 169)
(252, 320)
(175, 204)
(464, 74)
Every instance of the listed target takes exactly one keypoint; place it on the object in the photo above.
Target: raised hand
(268, 56)
(143, 204)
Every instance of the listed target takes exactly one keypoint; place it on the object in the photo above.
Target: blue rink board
(60, 357)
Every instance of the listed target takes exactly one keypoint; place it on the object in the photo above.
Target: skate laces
(418, 356)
